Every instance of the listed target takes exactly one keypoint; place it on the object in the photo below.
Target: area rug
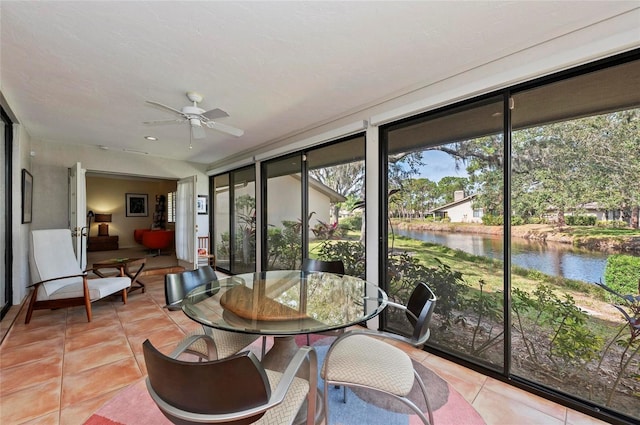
(133, 405)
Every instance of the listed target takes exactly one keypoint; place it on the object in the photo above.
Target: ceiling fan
(197, 117)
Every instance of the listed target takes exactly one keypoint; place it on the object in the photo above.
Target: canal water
(555, 259)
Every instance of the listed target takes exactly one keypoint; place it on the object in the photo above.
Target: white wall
(20, 232)
(52, 160)
(49, 167)
(462, 213)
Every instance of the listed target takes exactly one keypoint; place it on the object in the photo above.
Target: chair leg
(424, 393)
(264, 347)
(87, 307)
(32, 303)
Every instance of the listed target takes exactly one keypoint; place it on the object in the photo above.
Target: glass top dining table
(284, 302)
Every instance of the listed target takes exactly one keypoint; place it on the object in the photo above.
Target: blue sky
(438, 165)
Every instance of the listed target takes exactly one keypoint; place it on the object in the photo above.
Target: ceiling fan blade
(162, 122)
(165, 107)
(225, 128)
(215, 114)
(197, 132)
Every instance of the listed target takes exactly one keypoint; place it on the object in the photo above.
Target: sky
(438, 165)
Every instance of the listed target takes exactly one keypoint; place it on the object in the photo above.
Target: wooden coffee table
(123, 264)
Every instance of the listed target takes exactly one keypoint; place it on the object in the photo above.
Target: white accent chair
(57, 278)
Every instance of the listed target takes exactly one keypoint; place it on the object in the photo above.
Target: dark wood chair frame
(231, 390)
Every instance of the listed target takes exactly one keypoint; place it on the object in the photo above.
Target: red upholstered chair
(137, 234)
(157, 240)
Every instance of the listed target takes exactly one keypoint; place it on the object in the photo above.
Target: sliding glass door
(234, 220)
(575, 196)
(445, 208)
(283, 212)
(521, 209)
(310, 209)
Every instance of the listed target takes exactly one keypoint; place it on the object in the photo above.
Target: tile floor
(59, 369)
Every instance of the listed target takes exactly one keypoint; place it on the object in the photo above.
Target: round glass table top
(284, 302)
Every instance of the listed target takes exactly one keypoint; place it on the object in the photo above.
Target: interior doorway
(117, 206)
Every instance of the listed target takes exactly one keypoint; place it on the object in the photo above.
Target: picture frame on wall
(27, 196)
(137, 205)
(202, 204)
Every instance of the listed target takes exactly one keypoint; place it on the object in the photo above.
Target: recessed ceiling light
(150, 138)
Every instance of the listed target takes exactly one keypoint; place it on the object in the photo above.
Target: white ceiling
(80, 72)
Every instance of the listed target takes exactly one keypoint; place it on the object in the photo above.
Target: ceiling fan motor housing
(192, 110)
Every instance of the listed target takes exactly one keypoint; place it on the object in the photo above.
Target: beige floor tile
(108, 351)
(30, 374)
(94, 382)
(52, 418)
(525, 397)
(21, 406)
(98, 322)
(146, 326)
(496, 409)
(467, 382)
(27, 334)
(95, 336)
(78, 413)
(21, 354)
(142, 310)
(170, 335)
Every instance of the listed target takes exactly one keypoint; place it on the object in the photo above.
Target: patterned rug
(133, 405)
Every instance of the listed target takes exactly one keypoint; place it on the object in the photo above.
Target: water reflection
(551, 258)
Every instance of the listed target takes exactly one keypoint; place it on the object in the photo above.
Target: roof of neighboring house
(322, 188)
(454, 203)
(588, 206)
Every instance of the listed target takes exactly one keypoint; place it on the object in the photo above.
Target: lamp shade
(103, 218)
(103, 229)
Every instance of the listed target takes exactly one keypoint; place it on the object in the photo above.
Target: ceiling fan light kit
(196, 117)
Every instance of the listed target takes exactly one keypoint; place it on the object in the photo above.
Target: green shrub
(351, 223)
(580, 220)
(492, 220)
(536, 220)
(517, 221)
(622, 273)
(612, 224)
(352, 255)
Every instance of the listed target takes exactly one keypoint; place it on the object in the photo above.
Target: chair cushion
(370, 362)
(227, 343)
(98, 288)
(285, 412)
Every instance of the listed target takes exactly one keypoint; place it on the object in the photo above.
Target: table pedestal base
(278, 358)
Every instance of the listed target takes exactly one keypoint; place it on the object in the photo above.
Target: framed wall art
(27, 196)
(137, 205)
(202, 204)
